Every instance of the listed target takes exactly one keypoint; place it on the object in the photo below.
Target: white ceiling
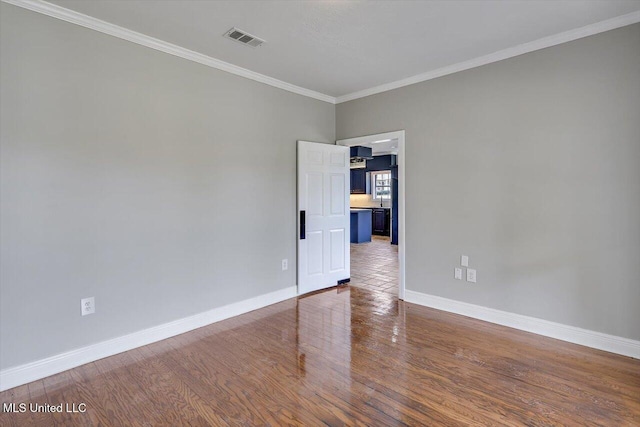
(384, 147)
(341, 47)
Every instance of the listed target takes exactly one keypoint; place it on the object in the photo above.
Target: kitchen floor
(374, 265)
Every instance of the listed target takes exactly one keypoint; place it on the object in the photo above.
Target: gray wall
(162, 187)
(530, 167)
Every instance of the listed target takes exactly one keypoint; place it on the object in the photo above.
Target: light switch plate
(464, 261)
(471, 275)
(458, 274)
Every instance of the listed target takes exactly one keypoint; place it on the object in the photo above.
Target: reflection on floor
(346, 356)
(374, 265)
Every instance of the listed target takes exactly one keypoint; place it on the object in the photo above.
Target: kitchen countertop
(371, 207)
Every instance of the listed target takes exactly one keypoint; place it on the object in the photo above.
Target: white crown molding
(567, 36)
(33, 371)
(73, 17)
(86, 21)
(572, 334)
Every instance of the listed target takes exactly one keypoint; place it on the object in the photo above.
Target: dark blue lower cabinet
(381, 222)
(360, 225)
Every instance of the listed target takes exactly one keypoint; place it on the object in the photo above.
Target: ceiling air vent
(243, 37)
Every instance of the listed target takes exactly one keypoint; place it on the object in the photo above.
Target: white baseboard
(33, 371)
(599, 340)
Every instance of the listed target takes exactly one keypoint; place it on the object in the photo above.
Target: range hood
(359, 152)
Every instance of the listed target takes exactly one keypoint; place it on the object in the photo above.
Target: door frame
(399, 135)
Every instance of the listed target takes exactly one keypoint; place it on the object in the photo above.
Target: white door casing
(323, 215)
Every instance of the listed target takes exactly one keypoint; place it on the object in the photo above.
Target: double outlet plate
(471, 272)
(87, 306)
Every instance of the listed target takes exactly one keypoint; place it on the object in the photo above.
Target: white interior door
(323, 215)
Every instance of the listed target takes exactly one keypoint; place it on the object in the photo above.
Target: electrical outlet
(471, 275)
(87, 306)
(464, 261)
(285, 264)
(458, 274)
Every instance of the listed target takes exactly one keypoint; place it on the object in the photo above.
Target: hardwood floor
(346, 356)
(374, 265)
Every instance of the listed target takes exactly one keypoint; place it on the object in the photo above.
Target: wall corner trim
(572, 334)
(23, 374)
(105, 27)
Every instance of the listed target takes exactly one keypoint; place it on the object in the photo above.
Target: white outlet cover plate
(464, 261)
(471, 275)
(87, 306)
(458, 274)
(285, 264)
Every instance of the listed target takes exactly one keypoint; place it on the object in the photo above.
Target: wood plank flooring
(346, 356)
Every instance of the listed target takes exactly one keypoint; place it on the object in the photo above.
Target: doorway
(374, 260)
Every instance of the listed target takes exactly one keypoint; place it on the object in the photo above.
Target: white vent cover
(243, 37)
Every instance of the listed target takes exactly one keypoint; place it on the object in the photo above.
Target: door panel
(338, 159)
(323, 193)
(314, 157)
(315, 253)
(337, 250)
(338, 189)
(315, 193)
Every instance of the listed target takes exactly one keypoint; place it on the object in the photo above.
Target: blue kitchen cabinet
(381, 219)
(358, 181)
(360, 225)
